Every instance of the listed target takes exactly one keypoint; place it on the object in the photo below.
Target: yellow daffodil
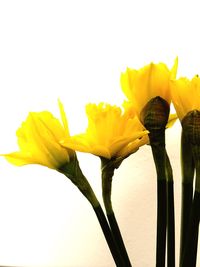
(148, 91)
(140, 86)
(185, 95)
(38, 140)
(110, 132)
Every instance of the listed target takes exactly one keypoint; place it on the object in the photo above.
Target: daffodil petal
(74, 145)
(18, 158)
(82, 147)
(101, 151)
(172, 119)
(63, 117)
(174, 69)
(185, 95)
(119, 144)
(134, 146)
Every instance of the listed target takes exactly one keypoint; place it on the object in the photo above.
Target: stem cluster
(165, 200)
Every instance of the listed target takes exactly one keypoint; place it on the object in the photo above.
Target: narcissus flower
(185, 95)
(38, 140)
(140, 86)
(110, 132)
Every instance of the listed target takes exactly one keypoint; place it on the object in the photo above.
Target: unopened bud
(155, 114)
(191, 127)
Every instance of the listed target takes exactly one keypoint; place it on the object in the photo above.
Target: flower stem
(107, 174)
(190, 251)
(75, 174)
(118, 237)
(161, 223)
(170, 225)
(108, 236)
(170, 216)
(186, 206)
(157, 142)
(187, 167)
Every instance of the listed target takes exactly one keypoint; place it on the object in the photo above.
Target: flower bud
(155, 114)
(191, 126)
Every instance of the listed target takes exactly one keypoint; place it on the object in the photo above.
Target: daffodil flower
(185, 95)
(38, 140)
(140, 86)
(186, 99)
(111, 133)
(148, 92)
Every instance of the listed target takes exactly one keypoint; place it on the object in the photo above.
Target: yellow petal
(172, 119)
(133, 146)
(127, 82)
(185, 95)
(80, 145)
(18, 158)
(119, 144)
(174, 69)
(63, 117)
(48, 142)
(100, 151)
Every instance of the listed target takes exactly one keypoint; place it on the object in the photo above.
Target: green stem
(105, 228)
(118, 238)
(170, 215)
(161, 223)
(190, 251)
(107, 174)
(170, 225)
(74, 173)
(108, 236)
(157, 142)
(186, 206)
(187, 167)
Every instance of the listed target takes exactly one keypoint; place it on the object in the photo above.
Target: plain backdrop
(76, 50)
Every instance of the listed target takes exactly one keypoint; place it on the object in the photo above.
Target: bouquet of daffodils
(113, 134)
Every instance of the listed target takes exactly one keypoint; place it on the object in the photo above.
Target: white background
(76, 50)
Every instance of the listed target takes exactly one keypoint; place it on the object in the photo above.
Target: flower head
(140, 86)
(110, 132)
(185, 95)
(38, 140)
